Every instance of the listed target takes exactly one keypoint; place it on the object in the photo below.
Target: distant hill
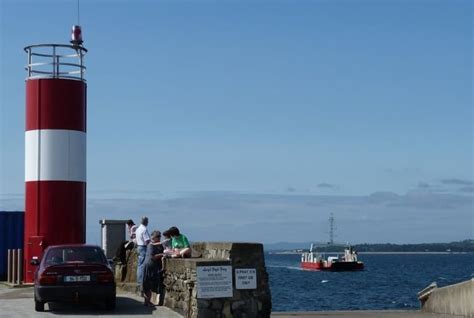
(466, 246)
(283, 246)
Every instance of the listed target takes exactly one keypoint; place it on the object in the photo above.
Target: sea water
(389, 281)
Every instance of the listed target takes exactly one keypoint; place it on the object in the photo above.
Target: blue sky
(230, 117)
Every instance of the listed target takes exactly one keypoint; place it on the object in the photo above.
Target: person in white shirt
(142, 238)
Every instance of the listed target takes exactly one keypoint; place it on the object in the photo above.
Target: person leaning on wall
(179, 243)
(121, 253)
(152, 270)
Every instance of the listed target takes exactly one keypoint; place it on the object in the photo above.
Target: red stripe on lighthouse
(55, 104)
(60, 211)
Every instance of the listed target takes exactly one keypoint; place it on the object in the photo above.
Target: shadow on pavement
(125, 306)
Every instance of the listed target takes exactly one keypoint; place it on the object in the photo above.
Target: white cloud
(215, 216)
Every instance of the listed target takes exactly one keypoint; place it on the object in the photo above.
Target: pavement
(18, 302)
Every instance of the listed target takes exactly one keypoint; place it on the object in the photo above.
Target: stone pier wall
(126, 274)
(457, 299)
(181, 281)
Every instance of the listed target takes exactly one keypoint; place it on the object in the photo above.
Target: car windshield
(81, 254)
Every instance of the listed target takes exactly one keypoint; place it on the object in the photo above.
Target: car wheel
(39, 305)
(110, 303)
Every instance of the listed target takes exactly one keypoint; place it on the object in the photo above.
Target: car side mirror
(34, 261)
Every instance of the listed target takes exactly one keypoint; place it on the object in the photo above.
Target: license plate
(81, 278)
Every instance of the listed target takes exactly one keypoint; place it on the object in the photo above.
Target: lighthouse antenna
(76, 34)
(78, 14)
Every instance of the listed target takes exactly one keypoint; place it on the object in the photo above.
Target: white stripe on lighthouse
(55, 154)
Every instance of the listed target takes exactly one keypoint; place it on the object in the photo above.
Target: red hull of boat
(334, 267)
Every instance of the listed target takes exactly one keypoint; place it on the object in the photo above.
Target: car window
(54, 257)
(62, 255)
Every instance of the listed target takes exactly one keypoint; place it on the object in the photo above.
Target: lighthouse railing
(55, 61)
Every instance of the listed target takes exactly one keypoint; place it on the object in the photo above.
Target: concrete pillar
(112, 235)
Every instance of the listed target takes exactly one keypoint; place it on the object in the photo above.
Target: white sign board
(214, 281)
(245, 278)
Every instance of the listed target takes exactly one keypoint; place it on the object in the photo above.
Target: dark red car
(73, 273)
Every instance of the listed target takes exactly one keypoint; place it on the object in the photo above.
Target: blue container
(11, 236)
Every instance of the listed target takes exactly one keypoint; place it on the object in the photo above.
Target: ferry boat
(315, 261)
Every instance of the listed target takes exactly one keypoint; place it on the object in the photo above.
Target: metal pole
(20, 267)
(81, 67)
(14, 266)
(57, 66)
(30, 59)
(54, 61)
(9, 265)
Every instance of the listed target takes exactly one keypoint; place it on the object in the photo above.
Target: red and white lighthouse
(55, 149)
